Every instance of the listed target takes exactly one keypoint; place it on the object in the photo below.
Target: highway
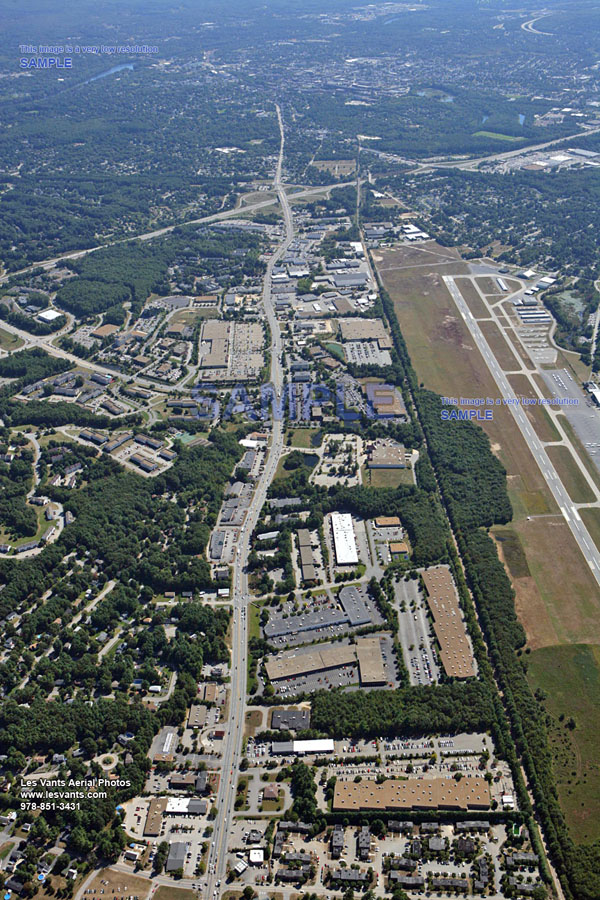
(232, 751)
(565, 504)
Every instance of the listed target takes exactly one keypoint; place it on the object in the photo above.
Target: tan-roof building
(413, 793)
(154, 818)
(293, 664)
(104, 331)
(197, 716)
(370, 661)
(388, 522)
(456, 653)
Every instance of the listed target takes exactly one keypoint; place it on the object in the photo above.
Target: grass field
(303, 437)
(518, 346)
(172, 893)
(506, 358)
(472, 298)
(488, 285)
(512, 551)
(570, 679)
(254, 720)
(383, 478)
(447, 361)
(9, 341)
(591, 520)
(579, 448)
(569, 473)
(566, 607)
(497, 136)
(538, 416)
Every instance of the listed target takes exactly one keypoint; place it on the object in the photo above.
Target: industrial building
(344, 541)
(354, 606)
(307, 561)
(413, 793)
(366, 652)
(456, 653)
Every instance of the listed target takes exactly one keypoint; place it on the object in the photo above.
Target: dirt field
(117, 885)
(506, 358)
(570, 680)
(537, 415)
(577, 487)
(472, 298)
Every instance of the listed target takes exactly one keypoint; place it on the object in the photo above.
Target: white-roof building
(319, 746)
(256, 856)
(49, 315)
(344, 541)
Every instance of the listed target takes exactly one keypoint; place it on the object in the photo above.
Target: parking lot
(415, 633)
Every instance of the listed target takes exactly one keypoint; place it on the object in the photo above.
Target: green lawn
(570, 679)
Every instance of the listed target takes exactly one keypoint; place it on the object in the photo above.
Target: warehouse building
(456, 653)
(307, 560)
(344, 541)
(413, 793)
(354, 606)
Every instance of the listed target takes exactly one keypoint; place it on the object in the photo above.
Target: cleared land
(498, 137)
(538, 416)
(336, 166)
(570, 679)
(569, 473)
(120, 883)
(172, 893)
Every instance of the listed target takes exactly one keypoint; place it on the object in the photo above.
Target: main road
(232, 751)
(566, 505)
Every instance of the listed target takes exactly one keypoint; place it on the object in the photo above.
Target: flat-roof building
(456, 653)
(344, 541)
(413, 793)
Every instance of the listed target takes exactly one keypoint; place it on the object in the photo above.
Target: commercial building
(370, 661)
(355, 329)
(354, 606)
(197, 716)
(154, 817)
(290, 719)
(456, 653)
(176, 857)
(388, 455)
(413, 793)
(344, 541)
(317, 660)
